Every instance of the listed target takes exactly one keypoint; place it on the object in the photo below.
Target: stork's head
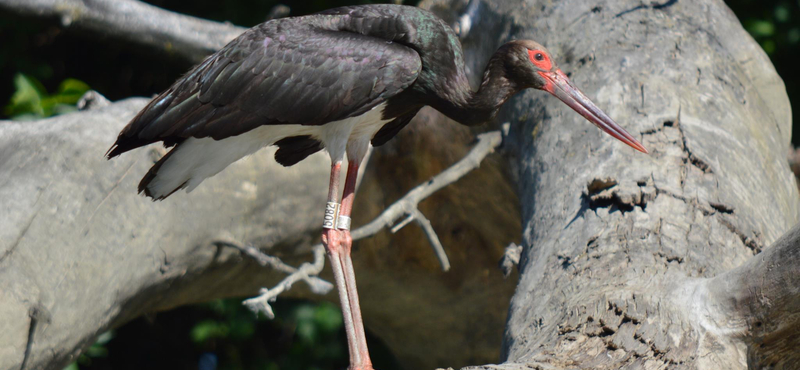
(530, 65)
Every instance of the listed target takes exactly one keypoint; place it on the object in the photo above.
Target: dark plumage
(307, 71)
(334, 80)
(289, 71)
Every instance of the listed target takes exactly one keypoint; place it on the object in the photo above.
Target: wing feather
(280, 72)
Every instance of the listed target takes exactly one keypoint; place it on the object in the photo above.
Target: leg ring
(331, 214)
(343, 222)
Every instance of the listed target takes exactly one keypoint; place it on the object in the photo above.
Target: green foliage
(775, 24)
(224, 335)
(311, 336)
(207, 330)
(316, 322)
(316, 337)
(31, 100)
(232, 322)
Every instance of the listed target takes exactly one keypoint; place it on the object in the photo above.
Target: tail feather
(151, 175)
(194, 160)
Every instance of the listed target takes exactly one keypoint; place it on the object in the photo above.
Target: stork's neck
(471, 108)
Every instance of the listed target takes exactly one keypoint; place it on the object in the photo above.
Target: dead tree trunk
(630, 260)
(81, 252)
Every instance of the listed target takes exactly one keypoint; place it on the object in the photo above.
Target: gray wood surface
(81, 252)
(629, 261)
(620, 246)
(134, 22)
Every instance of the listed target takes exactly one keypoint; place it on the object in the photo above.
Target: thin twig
(260, 257)
(307, 272)
(426, 226)
(402, 224)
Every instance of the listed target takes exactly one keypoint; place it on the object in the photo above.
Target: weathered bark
(759, 304)
(628, 257)
(82, 252)
(133, 21)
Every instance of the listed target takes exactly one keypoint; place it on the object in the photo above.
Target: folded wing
(277, 73)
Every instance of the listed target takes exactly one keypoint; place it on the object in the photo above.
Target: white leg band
(331, 214)
(343, 223)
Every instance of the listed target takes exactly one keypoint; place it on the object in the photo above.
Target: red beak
(562, 88)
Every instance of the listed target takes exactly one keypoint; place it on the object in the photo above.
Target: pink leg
(334, 245)
(347, 262)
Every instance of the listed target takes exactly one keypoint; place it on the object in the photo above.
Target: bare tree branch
(307, 273)
(405, 206)
(317, 285)
(131, 20)
(426, 226)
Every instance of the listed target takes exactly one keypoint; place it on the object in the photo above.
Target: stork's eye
(540, 59)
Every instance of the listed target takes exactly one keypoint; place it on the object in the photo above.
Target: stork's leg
(334, 245)
(347, 262)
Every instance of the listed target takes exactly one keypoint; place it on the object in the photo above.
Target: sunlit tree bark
(660, 260)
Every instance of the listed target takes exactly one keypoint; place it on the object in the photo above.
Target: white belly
(335, 136)
(194, 160)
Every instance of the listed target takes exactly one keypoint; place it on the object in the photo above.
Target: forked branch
(307, 272)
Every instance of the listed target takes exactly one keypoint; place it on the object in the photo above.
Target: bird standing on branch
(339, 80)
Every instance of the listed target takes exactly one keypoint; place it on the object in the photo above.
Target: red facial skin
(557, 84)
(542, 60)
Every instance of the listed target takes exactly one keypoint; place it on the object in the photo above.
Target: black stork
(338, 80)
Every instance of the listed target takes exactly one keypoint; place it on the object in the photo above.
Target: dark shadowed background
(43, 71)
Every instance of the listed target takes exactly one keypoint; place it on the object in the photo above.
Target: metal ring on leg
(343, 222)
(331, 215)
